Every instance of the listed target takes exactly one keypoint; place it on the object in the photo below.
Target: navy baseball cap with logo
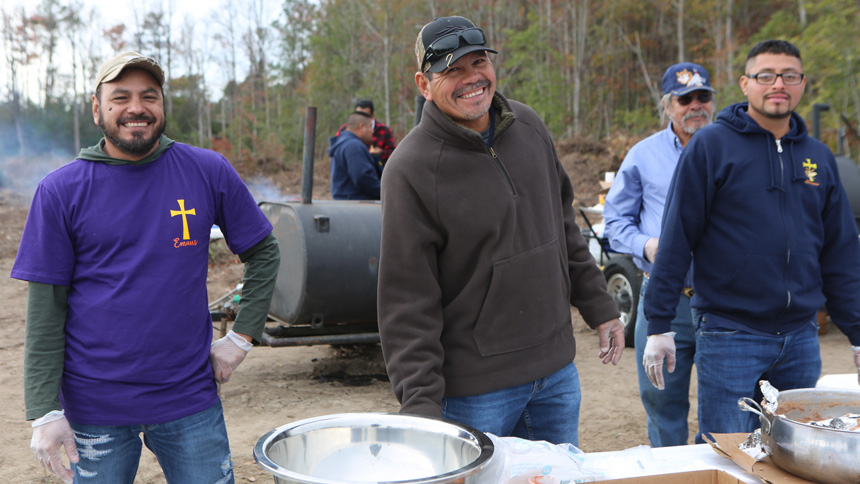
(444, 40)
(686, 77)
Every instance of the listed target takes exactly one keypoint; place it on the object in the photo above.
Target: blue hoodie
(353, 169)
(768, 228)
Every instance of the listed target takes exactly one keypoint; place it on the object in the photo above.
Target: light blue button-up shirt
(634, 205)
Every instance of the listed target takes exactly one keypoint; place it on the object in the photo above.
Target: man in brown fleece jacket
(481, 256)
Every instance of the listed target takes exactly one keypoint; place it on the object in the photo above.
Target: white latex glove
(856, 350)
(226, 354)
(49, 434)
(659, 347)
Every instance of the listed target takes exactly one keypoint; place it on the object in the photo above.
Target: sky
(113, 12)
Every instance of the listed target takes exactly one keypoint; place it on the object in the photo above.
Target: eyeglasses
(769, 78)
(703, 97)
(449, 43)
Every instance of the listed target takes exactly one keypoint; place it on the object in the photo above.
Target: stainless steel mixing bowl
(819, 454)
(369, 448)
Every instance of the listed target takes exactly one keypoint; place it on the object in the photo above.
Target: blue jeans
(666, 410)
(731, 363)
(190, 450)
(545, 409)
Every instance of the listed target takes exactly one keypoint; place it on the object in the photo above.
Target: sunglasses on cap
(702, 96)
(449, 43)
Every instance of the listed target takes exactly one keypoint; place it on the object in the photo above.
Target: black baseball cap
(454, 37)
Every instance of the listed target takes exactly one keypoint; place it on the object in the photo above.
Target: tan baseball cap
(111, 69)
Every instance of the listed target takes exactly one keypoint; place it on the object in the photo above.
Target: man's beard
(771, 115)
(137, 145)
(691, 129)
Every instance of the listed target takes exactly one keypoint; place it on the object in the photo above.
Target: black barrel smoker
(326, 287)
(849, 172)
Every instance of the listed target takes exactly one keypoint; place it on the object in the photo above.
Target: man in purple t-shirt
(118, 334)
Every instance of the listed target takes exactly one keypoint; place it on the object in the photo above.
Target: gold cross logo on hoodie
(809, 169)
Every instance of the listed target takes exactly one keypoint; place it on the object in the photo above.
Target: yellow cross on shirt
(183, 212)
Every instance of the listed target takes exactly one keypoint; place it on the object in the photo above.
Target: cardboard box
(727, 446)
(711, 476)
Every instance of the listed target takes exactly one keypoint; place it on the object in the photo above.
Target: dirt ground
(275, 386)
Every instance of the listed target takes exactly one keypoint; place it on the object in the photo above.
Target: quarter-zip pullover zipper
(503, 171)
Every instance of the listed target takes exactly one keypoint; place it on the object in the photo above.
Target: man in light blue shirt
(633, 215)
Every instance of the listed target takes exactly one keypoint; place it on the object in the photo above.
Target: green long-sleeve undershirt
(45, 340)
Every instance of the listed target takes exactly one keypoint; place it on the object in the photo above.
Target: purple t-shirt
(132, 244)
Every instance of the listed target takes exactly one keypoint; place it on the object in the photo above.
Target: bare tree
(47, 20)
(383, 35)
(580, 34)
(258, 46)
(801, 13)
(190, 55)
(226, 36)
(202, 57)
(116, 37)
(637, 50)
(20, 48)
(72, 24)
(730, 44)
(679, 4)
(168, 46)
(90, 54)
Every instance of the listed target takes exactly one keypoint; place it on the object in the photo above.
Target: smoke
(264, 190)
(21, 174)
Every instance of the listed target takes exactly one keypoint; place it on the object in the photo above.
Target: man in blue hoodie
(353, 169)
(757, 206)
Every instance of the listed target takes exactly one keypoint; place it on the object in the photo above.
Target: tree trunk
(730, 47)
(386, 65)
(801, 13)
(637, 49)
(201, 113)
(19, 128)
(168, 101)
(680, 30)
(580, 30)
(76, 114)
(223, 116)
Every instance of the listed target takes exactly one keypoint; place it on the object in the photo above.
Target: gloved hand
(659, 347)
(226, 354)
(49, 434)
(856, 350)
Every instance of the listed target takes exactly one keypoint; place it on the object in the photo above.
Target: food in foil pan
(849, 421)
(771, 395)
(752, 446)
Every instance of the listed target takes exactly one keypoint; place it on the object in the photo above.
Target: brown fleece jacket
(481, 259)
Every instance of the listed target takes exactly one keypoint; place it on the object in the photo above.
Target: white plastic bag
(517, 460)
